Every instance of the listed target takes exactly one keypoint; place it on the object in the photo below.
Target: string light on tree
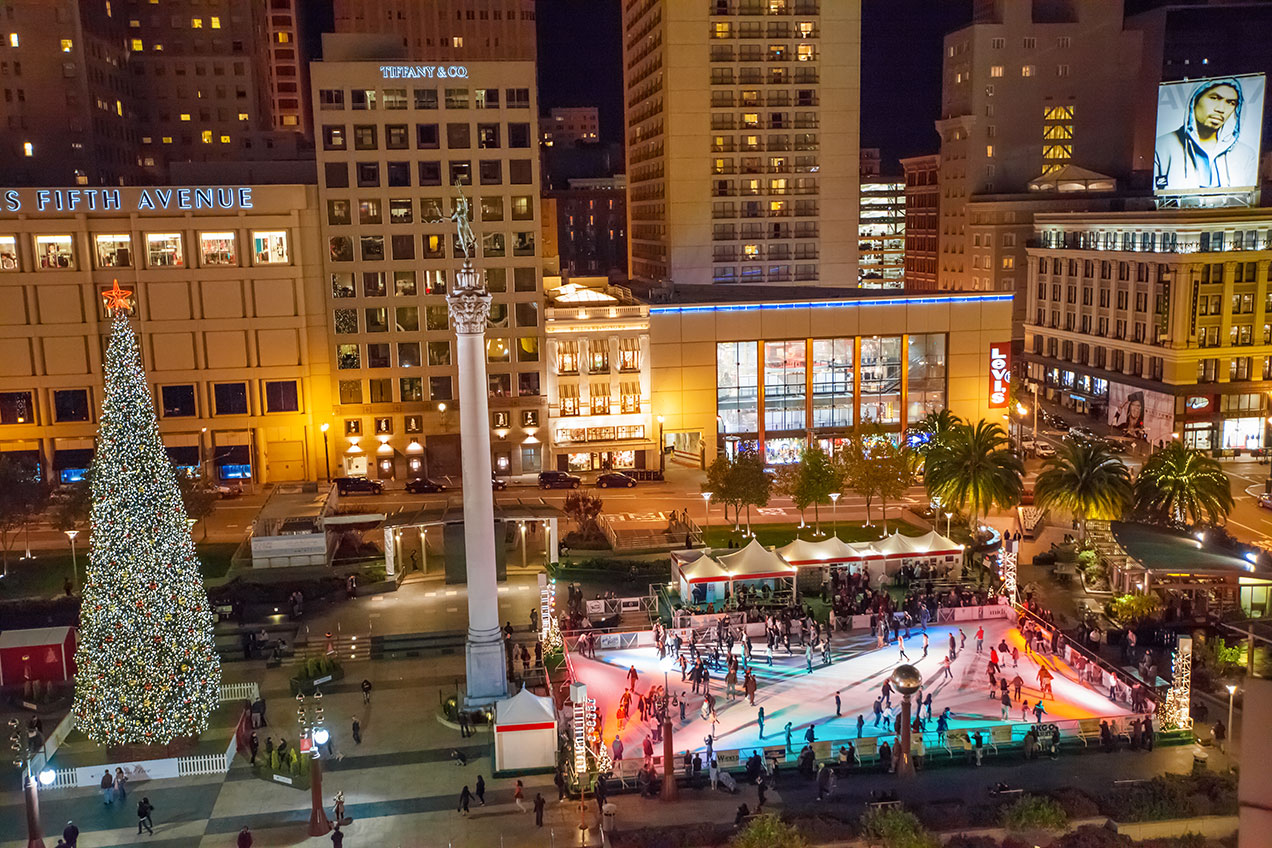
(146, 669)
(1177, 706)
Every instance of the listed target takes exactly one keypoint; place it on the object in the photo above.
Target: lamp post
(706, 513)
(523, 544)
(30, 793)
(326, 449)
(1232, 697)
(314, 735)
(71, 534)
(906, 679)
(670, 792)
(662, 447)
(834, 512)
(948, 516)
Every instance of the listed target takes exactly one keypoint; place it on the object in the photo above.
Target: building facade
(600, 414)
(228, 308)
(881, 234)
(922, 215)
(591, 227)
(742, 122)
(447, 30)
(774, 376)
(391, 149)
(570, 125)
(1156, 323)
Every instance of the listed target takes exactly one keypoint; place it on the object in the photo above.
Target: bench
(1000, 735)
(883, 804)
(867, 747)
(960, 739)
(1088, 728)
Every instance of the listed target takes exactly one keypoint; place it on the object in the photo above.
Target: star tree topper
(117, 298)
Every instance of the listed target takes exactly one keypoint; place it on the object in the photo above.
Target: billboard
(1141, 414)
(1208, 134)
(999, 374)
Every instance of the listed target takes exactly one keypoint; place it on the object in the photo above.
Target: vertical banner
(999, 374)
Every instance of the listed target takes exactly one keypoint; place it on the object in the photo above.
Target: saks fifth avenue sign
(999, 375)
(423, 72)
(125, 200)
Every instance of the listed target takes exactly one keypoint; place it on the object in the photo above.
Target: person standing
(121, 785)
(144, 809)
(925, 645)
(337, 838)
(861, 722)
(357, 731)
(519, 796)
(559, 780)
(366, 691)
(808, 656)
(886, 692)
(70, 835)
(759, 719)
(878, 710)
(901, 646)
(810, 735)
(1006, 702)
(465, 797)
(464, 729)
(481, 790)
(789, 749)
(538, 809)
(980, 639)
(255, 744)
(838, 706)
(108, 788)
(338, 807)
(245, 837)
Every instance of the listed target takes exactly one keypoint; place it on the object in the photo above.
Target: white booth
(525, 733)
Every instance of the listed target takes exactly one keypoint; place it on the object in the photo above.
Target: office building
(591, 227)
(922, 214)
(69, 109)
(600, 415)
(446, 30)
(881, 233)
(1156, 322)
(568, 126)
(730, 372)
(1027, 90)
(290, 104)
(390, 150)
(742, 140)
(229, 312)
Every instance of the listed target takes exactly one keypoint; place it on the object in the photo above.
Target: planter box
(306, 686)
(1214, 827)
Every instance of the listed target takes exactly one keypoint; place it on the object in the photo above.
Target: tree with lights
(146, 669)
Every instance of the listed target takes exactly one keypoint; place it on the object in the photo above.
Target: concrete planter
(1215, 827)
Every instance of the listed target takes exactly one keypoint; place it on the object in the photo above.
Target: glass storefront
(925, 379)
(881, 379)
(783, 451)
(1244, 433)
(785, 369)
(1199, 436)
(832, 382)
(737, 386)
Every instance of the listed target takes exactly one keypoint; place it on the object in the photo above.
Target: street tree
(974, 469)
(1085, 479)
(583, 509)
(786, 482)
(814, 481)
(73, 509)
(22, 497)
(1178, 484)
(890, 465)
(720, 483)
(749, 483)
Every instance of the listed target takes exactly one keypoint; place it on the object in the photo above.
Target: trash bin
(1200, 759)
(608, 814)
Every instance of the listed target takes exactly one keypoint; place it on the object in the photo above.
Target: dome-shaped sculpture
(906, 679)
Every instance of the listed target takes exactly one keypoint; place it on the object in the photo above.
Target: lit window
(54, 252)
(1027, 70)
(163, 250)
(989, 151)
(196, 23)
(167, 139)
(284, 38)
(137, 46)
(225, 139)
(119, 108)
(13, 39)
(158, 48)
(67, 45)
(269, 247)
(217, 249)
(456, 41)
(185, 116)
(215, 22)
(243, 116)
(28, 149)
(996, 70)
(206, 136)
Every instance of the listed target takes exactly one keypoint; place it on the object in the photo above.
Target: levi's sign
(999, 375)
(423, 72)
(224, 198)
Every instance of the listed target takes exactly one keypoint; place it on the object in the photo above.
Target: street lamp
(31, 796)
(948, 516)
(71, 534)
(834, 511)
(315, 734)
(662, 455)
(670, 791)
(326, 449)
(706, 512)
(1232, 697)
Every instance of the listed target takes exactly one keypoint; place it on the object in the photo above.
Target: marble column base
(486, 664)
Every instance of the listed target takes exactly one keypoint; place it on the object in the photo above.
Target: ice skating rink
(789, 693)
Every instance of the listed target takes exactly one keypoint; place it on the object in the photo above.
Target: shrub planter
(315, 673)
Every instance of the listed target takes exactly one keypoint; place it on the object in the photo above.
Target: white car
(1045, 450)
(1027, 444)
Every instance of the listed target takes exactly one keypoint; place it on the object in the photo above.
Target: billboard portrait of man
(1208, 133)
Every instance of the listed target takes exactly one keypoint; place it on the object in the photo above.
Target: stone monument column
(484, 652)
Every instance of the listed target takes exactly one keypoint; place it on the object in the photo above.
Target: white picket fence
(240, 691)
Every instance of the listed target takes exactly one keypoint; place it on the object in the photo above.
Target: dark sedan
(615, 480)
(424, 486)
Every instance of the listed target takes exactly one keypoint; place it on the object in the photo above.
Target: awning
(755, 562)
(184, 456)
(80, 458)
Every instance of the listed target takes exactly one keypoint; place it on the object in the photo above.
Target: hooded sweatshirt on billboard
(1181, 162)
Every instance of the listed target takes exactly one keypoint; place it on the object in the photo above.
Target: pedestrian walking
(759, 719)
(901, 646)
(861, 722)
(878, 710)
(1039, 710)
(357, 731)
(121, 785)
(519, 796)
(538, 809)
(925, 645)
(980, 639)
(810, 735)
(838, 706)
(144, 809)
(789, 749)
(945, 668)
(1015, 657)
(978, 745)
(464, 798)
(245, 837)
(808, 656)
(1006, 702)
(337, 807)
(1024, 710)
(632, 677)
(337, 838)
(481, 790)
(108, 788)
(70, 835)
(366, 691)
(255, 744)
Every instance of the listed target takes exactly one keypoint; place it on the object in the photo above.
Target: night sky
(580, 64)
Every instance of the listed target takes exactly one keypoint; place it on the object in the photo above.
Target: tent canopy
(934, 544)
(805, 552)
(704, 569)
(525, 707)
(755, 562)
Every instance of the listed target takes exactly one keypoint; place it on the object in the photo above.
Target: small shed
(41, 653)
(525, 733)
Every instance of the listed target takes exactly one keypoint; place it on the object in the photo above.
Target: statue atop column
(468, 299)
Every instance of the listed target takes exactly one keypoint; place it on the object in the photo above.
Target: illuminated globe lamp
(906, 679)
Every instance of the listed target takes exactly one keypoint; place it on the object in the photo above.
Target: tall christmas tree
(146, 668)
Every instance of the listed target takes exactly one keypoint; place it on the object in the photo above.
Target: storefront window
(270, 247)
(1244, 433)
(926, 376)
(54, 252)
(737, 387)
(1199, 436)
(217, 249)
(832, 382)
(783, 451)
(785, 367)
(8, 253)
(113, 251)
(163, 250)
(881, 379)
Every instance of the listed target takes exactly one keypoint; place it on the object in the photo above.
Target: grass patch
(781, 534)
(43, 575)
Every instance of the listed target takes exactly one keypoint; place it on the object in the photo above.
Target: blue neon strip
(828, 304)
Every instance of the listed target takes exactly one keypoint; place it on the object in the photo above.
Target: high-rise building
(591, 227)
(881, 227)
(290, 105)
(446, 30)
(69, 110)
(569, 125)
(922, 210)
(742, 140)
(391, 149)
(1027, 90)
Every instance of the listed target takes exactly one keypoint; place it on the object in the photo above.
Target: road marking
(430, 594)
(503, 589)
(1248, 527)
(450, 592)
(523, 588)
(452, 609)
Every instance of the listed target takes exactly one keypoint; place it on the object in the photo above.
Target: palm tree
(1085, 479)
(935, 426)
(973, 467)
(1183, 485)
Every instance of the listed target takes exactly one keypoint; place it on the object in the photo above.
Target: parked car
(1265, 501)
(497, 484)
(228, 490)
(358, 485)
(1044, 450)
(424, 486)
(1027, 444)
(615, 480)
(558, 480)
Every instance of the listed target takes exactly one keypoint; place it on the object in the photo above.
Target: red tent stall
(42, 653)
